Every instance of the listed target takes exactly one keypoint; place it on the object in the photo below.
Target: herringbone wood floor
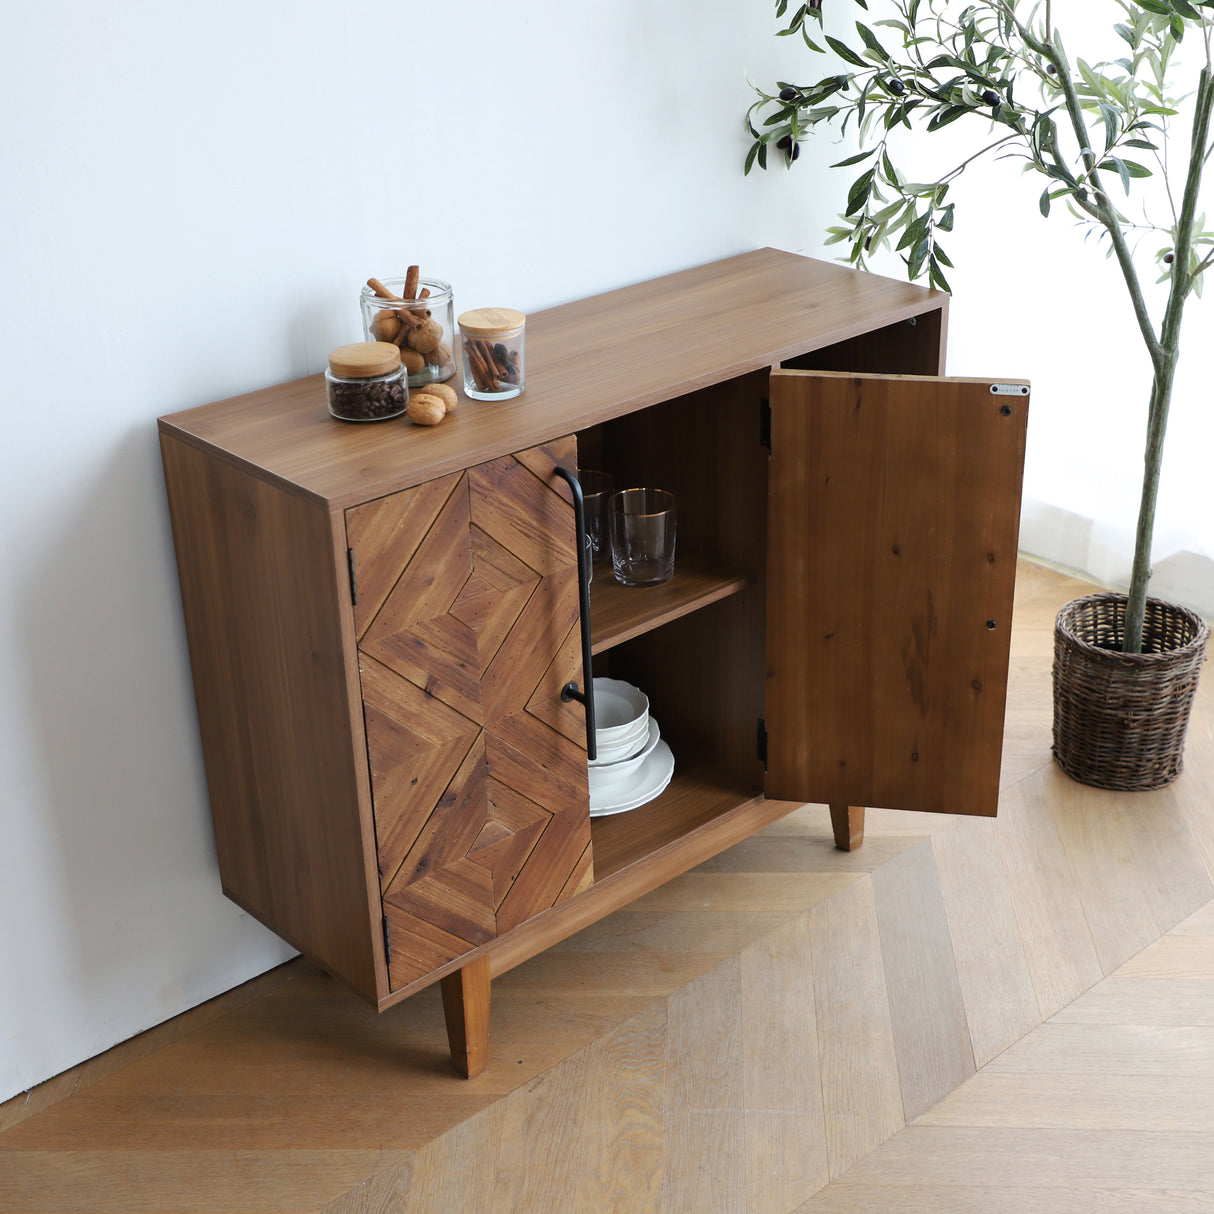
(962, 1015)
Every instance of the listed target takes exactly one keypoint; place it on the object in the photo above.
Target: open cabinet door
(893, 516)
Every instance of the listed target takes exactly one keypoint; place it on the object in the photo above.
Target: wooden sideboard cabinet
(381, 617)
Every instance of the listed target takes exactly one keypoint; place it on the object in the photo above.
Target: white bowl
(604, 777)
(621, 712)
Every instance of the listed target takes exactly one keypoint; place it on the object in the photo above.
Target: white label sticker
(1009, 389)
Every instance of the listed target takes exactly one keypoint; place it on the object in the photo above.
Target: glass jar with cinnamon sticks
(493, 352)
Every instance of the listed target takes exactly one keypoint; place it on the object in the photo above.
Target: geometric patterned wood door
(467, 624)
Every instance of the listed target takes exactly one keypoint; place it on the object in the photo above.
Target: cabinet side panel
(894, 515)
(260, 592)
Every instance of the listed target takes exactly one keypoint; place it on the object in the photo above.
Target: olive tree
(1090, 130)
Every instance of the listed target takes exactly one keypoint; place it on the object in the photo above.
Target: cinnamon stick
(482, 365)
(382, 291)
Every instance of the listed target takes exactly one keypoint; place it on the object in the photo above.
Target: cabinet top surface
(587, 362)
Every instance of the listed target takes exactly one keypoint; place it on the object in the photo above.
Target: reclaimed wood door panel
(468, 629)
(893, 520)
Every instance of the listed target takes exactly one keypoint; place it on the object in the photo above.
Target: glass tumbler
(642, 524)
(597, 487)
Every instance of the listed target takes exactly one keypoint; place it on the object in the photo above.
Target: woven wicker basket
(1120, 718)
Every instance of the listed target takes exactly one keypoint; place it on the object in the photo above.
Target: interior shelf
(693, 799)
(619, 613)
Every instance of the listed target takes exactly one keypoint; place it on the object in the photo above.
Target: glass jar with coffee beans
(365, 382)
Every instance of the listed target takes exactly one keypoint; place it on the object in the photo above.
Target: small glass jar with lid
(424, 331)
(365, 382)
(492, 340)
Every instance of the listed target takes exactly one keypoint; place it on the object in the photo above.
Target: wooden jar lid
(363, 359)
(491, 322)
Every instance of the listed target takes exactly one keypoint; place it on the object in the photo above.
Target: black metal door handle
(571, 690)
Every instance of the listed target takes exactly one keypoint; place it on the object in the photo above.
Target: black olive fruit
(789, 93)
(896, 87)
(990, 97)
(1168, 258)
(784, 142)
(795, 151)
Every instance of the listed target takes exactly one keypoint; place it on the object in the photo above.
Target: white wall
(194, 195)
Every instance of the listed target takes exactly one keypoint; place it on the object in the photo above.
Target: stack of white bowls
(625, 737)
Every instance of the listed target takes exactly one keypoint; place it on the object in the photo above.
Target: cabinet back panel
(910, 347)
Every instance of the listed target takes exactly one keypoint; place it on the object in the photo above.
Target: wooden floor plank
(131, 1182)
(622, 1086)
(1163, 1002)
(458, 1170)
(1123, 1049)
(1199, 923)
(861, 1096)
(996, 986)
(1106, 875)
(1041, 1158)
(386, 1192)
(1174, 956)
(1058, 944)
(704, 1162)
(1175, 880)
(781, 1074)
(1097, 1101)
(931, 1036)
(251, 1122)
(969, 1199)
(1192, 788)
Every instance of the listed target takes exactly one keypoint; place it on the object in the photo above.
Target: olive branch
(1078, 125)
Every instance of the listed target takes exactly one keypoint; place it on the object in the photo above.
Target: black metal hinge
(762, 742)
(353, 579)
(387, 942)
(765, 422)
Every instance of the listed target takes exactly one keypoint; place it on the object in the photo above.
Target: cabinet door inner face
(893, 520)
(467, 624)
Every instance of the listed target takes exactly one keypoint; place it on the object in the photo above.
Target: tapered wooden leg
(848, 824)
(466, 1007)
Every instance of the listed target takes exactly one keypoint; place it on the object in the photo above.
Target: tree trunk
(1140, 576)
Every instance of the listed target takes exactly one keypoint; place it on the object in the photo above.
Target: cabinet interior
(694, 645)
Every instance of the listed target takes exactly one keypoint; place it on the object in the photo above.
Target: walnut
(426, 409)
(445, 392)
(385, 326)
(426, 336)
(413, 361)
